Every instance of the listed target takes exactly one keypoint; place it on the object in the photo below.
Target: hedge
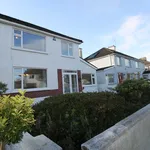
(71, 119)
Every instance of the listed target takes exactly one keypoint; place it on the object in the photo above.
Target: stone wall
(132, 133)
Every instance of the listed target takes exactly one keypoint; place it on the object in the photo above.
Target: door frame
(70, 73)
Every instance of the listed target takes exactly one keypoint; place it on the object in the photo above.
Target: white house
(114, 67)
(41, 61)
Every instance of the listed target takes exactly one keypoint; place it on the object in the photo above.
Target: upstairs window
(127, 63)
(28, 40)
(118, 61)
(137, 64)
(88, 79)
(66, 48)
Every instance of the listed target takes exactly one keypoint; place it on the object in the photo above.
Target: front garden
(71, 119)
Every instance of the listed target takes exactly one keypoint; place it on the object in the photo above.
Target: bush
(3, 88)
(71, 119)
(16, 117)
(135, 90)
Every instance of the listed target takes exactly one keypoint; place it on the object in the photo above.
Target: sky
(99, 23)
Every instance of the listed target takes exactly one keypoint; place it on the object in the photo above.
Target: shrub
(71, 119)
(16, 117)
(134, 90)
(3, 88)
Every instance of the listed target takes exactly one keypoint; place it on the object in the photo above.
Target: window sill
(89, 85)
(111, 83)
(28, 50)
(31, 90)
(67, 56)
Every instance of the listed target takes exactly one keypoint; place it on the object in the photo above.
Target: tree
(16, 117)
(3, 87)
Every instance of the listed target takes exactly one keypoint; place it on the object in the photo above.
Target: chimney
(144, 58)
(113, 47)
(80, 52)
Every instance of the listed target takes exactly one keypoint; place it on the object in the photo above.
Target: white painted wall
(103, 61)
(51, 60)
(87, 68)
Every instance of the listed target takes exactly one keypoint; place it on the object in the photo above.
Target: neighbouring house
(146, 74)
(41, 61)
(114, 67)
(146, 62)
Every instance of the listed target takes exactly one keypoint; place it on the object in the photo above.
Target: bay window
(29, 78)
(66, 48)
(88, 79)
(26, 40)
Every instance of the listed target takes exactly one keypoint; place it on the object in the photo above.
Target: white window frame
(21, 35)
(118, 57)
(129, 62)
(69, 73)
(68, 45)
(31, 89)
(137, 66)
(92, 77)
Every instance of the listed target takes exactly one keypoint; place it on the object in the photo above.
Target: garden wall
(132, 133)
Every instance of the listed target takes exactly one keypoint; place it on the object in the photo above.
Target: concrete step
(29, 142)
(46, 143)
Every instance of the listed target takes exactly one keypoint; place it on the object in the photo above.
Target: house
(41, 61)
(114, 67)
(146, 62)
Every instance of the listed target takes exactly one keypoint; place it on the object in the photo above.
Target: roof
(106, 51)
(14, 20)
(104, 68)
(88, 63)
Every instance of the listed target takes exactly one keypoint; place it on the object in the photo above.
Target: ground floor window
(29, 78)
(88, 79)
(110, 78)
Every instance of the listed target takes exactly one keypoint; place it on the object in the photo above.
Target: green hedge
(71, 119)
(135, 90)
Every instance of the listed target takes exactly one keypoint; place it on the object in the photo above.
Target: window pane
(34, 42)
(74, 83)
(118, 59)
(110, 78)
(34, 78)
(86, 79)
(93, 80)
(17, 32)
(70, 51)
(17, 78)
(17, 41)
(64, 49)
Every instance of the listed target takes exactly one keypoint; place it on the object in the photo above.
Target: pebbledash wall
(132, 133)
(52, 60)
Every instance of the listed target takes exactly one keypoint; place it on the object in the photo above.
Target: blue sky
(99, 23)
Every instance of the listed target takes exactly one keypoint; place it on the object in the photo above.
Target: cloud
(132, 36)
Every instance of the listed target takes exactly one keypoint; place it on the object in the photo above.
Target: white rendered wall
(103, 61)
(86, 68)
(51, 60)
